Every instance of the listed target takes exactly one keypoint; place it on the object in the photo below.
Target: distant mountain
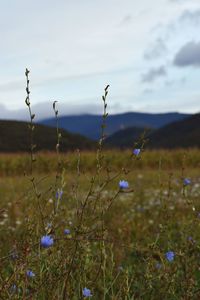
(90, 125)
(15, 137)
(180, 134)
(125, 138)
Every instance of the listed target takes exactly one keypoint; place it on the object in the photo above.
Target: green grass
(17, 164)
(116, 255)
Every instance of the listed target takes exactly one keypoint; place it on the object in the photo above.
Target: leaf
(107, 88)
(27, 72)
(27, 101)
(54, 104)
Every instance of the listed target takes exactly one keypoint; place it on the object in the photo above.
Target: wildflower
(136, 152)
(186, 181)
(5, 215)
(120, 268)
(158, 265)
(13, 289)
(49, 225)
(170, 256)
(190, 239)
(123, 184)
(30, 274)
(18, 222)
(86, 293)
(46, 241)
(59, 194)
(66, 231)
(14, 256)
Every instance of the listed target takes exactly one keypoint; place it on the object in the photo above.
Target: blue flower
(186, 181)
(190, 239)
(66, 231)
(13, 289)
(59, 194)
(49, 225)
(123, 184)
(30, 274)
(136, 152)
(14, 255)
(86, 292)
(170, 256)
(46, 241)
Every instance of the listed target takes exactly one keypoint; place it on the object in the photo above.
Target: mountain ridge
(15, 137)
(180, 134)
(90, 125)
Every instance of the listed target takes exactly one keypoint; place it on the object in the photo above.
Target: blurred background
(147, 51)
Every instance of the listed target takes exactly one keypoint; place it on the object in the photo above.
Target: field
(135, 242)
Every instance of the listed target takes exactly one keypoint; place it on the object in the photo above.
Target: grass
(17, 164)
(124, 261)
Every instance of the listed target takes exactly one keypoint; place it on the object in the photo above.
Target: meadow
(106, 241)
(104, 225)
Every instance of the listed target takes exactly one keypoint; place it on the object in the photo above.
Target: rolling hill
(15, 137)
(90, 125)
(124, 138)
(180, 134)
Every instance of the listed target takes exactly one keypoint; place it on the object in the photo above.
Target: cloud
(179, 1)
(154, 73)
(88, 45)
(179, 82)
(190, 16)
(158, 49)
(148, 91)
(126, 20)
(44, 110)
(188, 55)
(12, 85)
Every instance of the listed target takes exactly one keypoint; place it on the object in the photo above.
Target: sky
(147, 51)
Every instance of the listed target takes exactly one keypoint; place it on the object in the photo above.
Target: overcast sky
(147, 50)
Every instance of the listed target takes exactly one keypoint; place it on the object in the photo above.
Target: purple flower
(186, 181)
(67, 231)
(46, 241)
(190, 239)
(123, 184)
(59, 194)
(30, 274)
(136, 152)
(13, 289)
(170, 256)
(86, 293)
(14, 255)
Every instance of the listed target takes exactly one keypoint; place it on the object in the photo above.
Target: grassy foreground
(137, 243)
